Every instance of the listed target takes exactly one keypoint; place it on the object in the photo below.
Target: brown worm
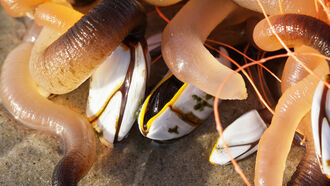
(67, 62)
(294, 29)
(80, 2)
(296, 101)
(100, 31)
(22, 99)
(308, 171)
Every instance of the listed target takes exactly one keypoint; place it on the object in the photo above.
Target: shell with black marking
(173, 109)
(117, 89)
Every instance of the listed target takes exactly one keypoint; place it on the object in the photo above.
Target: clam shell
(117, 88)
(320, 113)
(186, 110)
(241, 136)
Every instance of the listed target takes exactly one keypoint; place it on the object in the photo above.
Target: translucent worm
(21, 97)
(272, 7)
(185, 54)
(66, 58)
(296, 101)
(19, 8)
(293, 71)
(295, 29)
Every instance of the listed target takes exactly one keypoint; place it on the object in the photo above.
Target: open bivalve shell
(320, 125)
(116, 91)
(173, 109)
(242, 138)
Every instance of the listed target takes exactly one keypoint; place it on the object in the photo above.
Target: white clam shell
(105, 99)
(320, 126)
(169, 124)
(241, 136)
(154, 41)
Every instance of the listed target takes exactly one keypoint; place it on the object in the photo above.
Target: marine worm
(188, 59)
(294, 29)
(100, 31)
(308, 171)
(293, 71)
(296, 101)
(19, 8)
(22, 99)
(60, 65)
(273, 7)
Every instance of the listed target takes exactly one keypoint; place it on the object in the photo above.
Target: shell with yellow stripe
(173, 109)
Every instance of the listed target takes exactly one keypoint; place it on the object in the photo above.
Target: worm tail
(308, 171)
(22, 99)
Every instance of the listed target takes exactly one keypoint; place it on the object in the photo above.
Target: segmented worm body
(296, 101)
(66, 63)
(38, 112)
(62, 67)
(72, 46)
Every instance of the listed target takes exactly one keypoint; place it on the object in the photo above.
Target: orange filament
(247, 76)
(241, 53)
(160, 13)
(261, 80)
(325, 9)
(156, 59)
(287, 48)
(281, 6)
(216, 110)
(245, 51)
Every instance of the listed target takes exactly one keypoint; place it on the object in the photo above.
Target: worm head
(320, 125)
(242, 138)
(173, 109)
(117, 88)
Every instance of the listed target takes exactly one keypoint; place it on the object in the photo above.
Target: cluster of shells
(167, 100)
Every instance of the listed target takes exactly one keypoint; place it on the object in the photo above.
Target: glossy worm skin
(67, 59)
(22, 99)
(293, 71)
(294, 29)
(19, 8)
(296, 101)
(272, 7)
(68, 62)
(188, 59)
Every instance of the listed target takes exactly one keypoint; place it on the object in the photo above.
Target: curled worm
(188, 59)
(22, 99)
(61, 67)
(68, 61)
(294, 29)
(296, 101)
